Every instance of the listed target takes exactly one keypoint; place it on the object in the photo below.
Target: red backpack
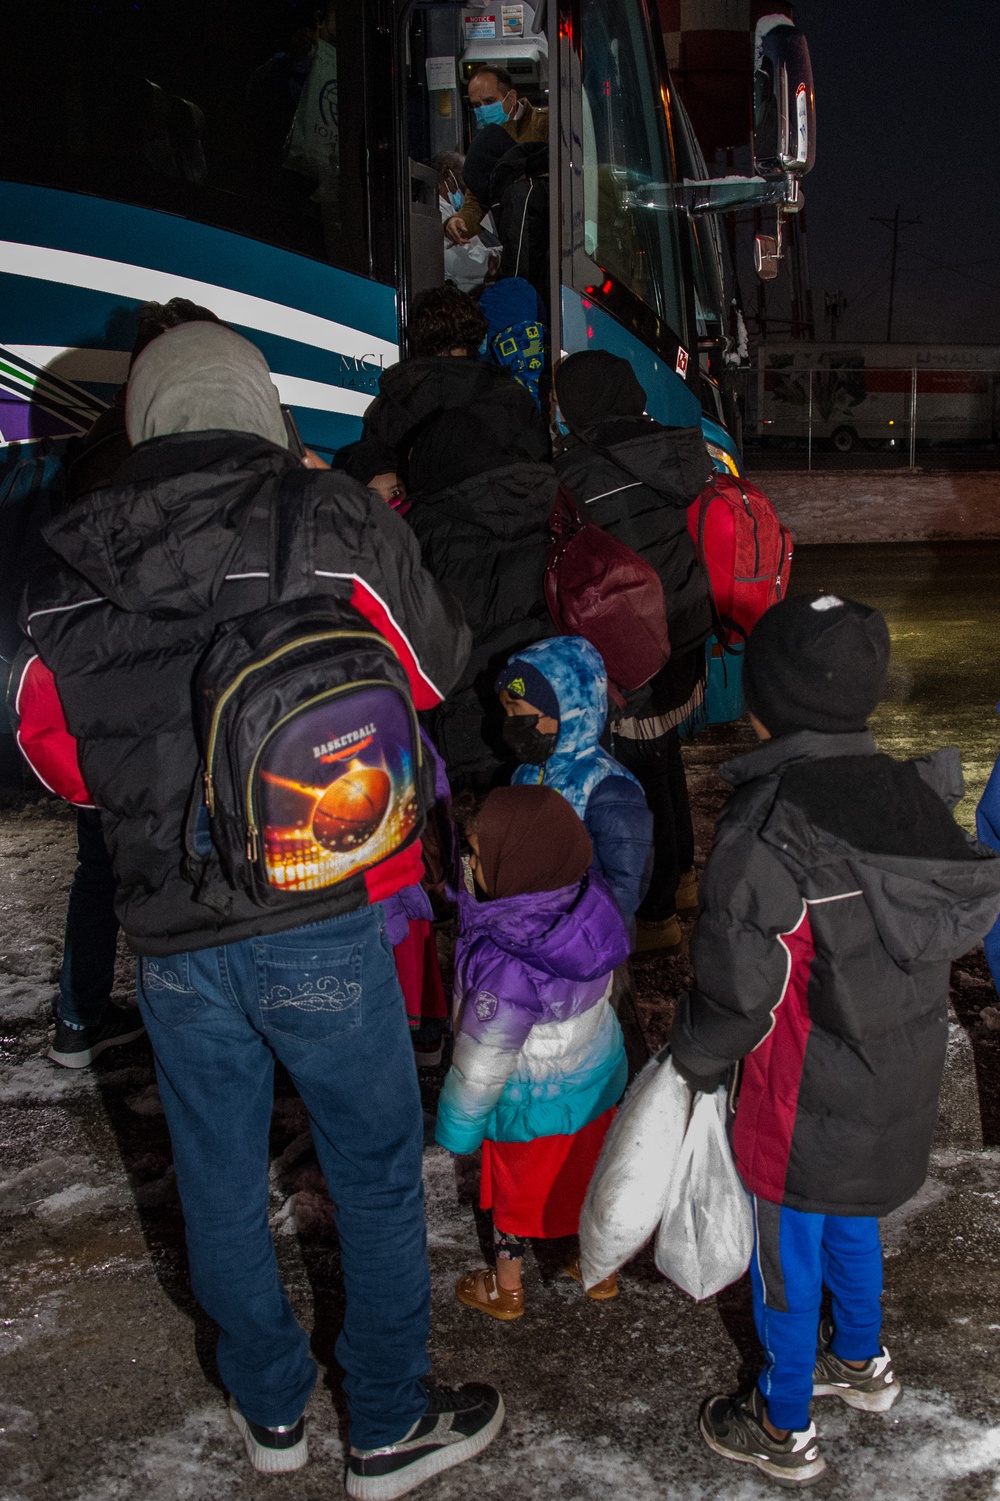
(745, 550)
(600, 588)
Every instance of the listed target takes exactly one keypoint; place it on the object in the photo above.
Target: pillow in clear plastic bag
(629, 1189)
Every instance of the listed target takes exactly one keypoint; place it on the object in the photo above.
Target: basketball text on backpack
(599, 588)
(745, 550)
(313, 768)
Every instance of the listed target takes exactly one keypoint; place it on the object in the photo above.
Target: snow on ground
(883, 505)
(107, 1389)
(918, 1452)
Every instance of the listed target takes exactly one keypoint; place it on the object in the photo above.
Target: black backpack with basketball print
(314, 773)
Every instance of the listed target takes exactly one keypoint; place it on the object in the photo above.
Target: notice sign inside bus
(480, 27)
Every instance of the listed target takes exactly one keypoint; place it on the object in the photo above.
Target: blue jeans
(88, 967)
(324, 999)
(795, 1255)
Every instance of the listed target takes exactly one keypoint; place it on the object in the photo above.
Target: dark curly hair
(443, 319)
(156, 317)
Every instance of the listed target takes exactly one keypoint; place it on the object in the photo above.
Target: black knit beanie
(593, 386)
(816, 662)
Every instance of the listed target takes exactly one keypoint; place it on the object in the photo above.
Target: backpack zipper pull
(252, 845)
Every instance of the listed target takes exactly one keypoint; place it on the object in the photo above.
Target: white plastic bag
(705, 1239)
(628, 1192)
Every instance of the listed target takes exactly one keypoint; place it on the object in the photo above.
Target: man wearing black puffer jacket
(636, 479)
(211, 520)
(445, 374)
(838, 890)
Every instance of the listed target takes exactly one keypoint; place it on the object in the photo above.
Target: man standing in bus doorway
(495, 101)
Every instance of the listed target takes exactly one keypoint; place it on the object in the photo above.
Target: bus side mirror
(784, 102)
(766, 256)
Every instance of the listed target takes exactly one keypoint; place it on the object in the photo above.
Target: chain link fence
(860, 417)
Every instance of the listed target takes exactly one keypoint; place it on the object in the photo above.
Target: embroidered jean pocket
(311, 993)
(167, 989)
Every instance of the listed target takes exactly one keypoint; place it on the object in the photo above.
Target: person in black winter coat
(838, 890)
(212, 520)
(445, 374)
(480, 512)
(636, 479)
(87, 1023)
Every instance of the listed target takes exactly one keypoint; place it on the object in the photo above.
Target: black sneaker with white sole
(272, 1451)
(872, 1388)
(77, 1047)
(734, 1428)
(459, 1423)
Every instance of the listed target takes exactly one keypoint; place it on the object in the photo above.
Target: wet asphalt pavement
(107, 1385)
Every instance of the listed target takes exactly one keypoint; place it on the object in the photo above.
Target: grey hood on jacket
(838, 890)
(927, 909)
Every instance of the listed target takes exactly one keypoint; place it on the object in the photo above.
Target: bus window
(239, 117)
(625, 148)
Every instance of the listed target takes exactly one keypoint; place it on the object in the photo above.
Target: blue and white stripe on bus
(160, 241)
(140, 284)
(68, 302)
(109, 367)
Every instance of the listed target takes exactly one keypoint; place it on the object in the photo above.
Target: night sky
(908, 112)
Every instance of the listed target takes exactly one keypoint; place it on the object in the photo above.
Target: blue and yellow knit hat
(522, 680)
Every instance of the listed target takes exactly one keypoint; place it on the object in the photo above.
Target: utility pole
(836, 304)
(895, 224)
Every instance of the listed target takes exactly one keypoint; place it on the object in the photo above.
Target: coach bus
(271, 161)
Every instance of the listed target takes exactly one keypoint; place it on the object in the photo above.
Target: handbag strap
(564, 518)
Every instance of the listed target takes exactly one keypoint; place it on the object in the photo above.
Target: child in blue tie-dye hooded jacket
(555, 695)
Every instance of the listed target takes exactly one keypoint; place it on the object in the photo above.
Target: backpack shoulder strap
(260, 545)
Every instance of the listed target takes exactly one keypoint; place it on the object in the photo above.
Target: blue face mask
(491, 114)
(457, 199)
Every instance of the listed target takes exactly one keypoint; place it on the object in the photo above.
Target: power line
(895, 224)
(975, 281)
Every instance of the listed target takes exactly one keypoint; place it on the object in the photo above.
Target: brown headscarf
(530, 839)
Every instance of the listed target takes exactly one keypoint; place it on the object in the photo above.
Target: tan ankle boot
(664, 937)
(481, 1290)
(601, 1291)
(686, 896)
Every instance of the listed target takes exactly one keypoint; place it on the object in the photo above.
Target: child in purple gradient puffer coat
(539, 1062)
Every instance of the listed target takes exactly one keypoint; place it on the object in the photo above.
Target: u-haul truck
(868, 395)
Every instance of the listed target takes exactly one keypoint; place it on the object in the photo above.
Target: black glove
(697, 1083)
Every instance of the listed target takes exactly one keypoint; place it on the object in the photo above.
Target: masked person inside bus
(210, 544)
(495, 101)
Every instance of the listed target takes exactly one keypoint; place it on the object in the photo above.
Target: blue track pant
(795, 1255)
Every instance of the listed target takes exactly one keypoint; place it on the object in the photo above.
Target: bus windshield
(625, 148)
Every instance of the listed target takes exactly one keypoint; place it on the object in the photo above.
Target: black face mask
(521, 733)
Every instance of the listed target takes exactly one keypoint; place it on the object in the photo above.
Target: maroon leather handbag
(601, 589)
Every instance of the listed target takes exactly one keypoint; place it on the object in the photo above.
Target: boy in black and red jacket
(838, 890)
